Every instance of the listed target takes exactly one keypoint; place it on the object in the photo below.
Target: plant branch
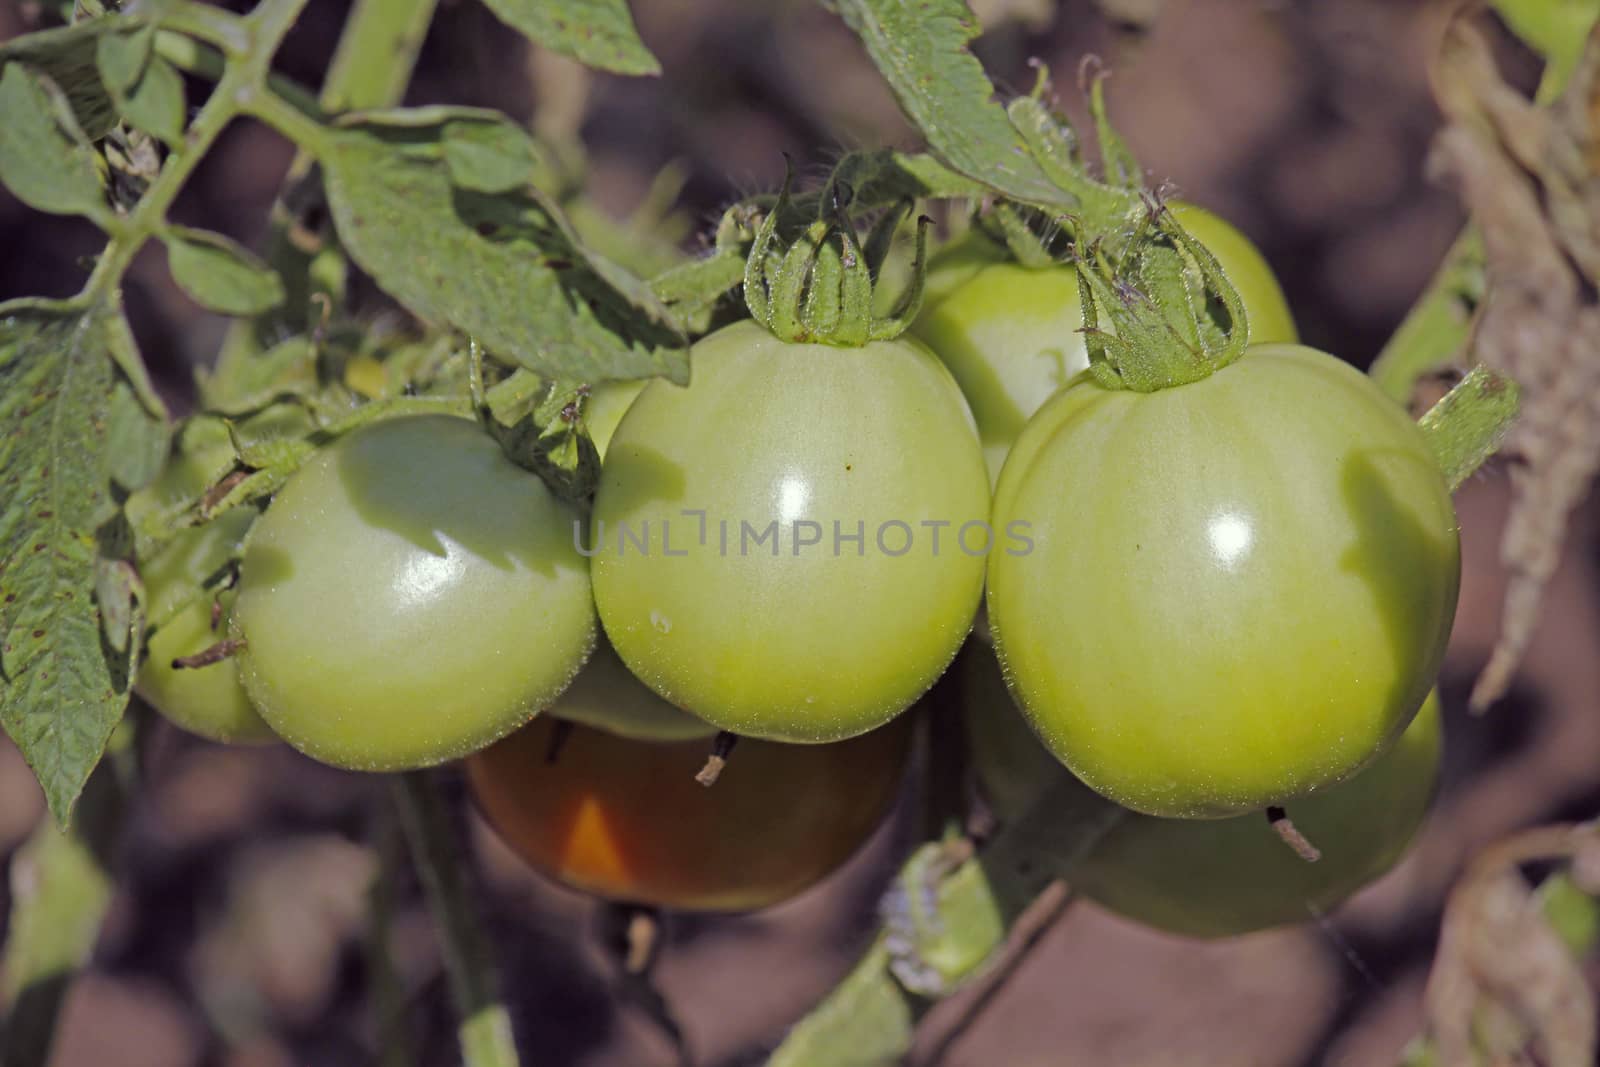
(249, 44)
(198, 58)
(377, 53)
(870, 1018)
(484, 1023)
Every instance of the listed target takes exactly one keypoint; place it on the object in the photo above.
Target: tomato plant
(410, 596)
(1239, 589)
(625, 819)
(1011, 334)
(765, 538)
(1214, 877)
(448, 471)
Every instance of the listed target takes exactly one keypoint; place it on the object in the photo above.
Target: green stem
(277, 112)
(227, 31)
(372, 65)
(485, 1025)
(1438, 326)
(199, 58)
(376, 53)
(870, 1018)
(249, 43)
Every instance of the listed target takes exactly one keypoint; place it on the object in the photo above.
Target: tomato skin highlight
(1011, 334)
(410, 596)
(787, 637)
(625, 819)
(207, 701)
(1212, 878)
(1240, 589)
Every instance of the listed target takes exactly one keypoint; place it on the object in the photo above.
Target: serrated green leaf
(493, 156)
(61, 692)
(598, 33)
(44, 157)
(1467, 426)
(67, 55)
(121, 57)
(505, 268)
(219, 273)
(920, 47)
(273, 452)
(156, 103)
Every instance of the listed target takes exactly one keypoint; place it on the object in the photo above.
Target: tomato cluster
(1208, 600)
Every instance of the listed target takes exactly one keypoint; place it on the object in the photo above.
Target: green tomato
(1238, 591)
(607, 696)
(1214, 877)
(208, 701)
(818, 603)
(410, 596)
(1010, 334)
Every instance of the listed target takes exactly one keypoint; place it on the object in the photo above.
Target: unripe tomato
(791, 547)
(1010, 334)
(607, 696)
(1238, 590)
(208, 701)
(1214, 877)
(410, 596)
(626, 820)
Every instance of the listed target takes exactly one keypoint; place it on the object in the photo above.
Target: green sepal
(1151, 321)
(1470, 422)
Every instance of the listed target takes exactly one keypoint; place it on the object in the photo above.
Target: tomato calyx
(820, 289)
(540, 427)
(1158, 309)
(1161, 315)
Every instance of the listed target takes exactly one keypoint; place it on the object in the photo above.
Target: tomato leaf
(1470, 422)
(504, 267)
(920, 47)
(155, 103)
(492, 155)
(45, 159)
(219, 274)
(68, 56)
(121, 58)
(62, 686)
(598, 33)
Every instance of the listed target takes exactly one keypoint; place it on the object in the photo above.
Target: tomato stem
(227, 648)
(721, 750)
(484, 1025)
(1292, 836)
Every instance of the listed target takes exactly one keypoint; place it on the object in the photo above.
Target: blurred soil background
(239, 934)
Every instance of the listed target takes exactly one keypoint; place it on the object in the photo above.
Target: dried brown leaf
(1505, 989)
(1529, 177)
